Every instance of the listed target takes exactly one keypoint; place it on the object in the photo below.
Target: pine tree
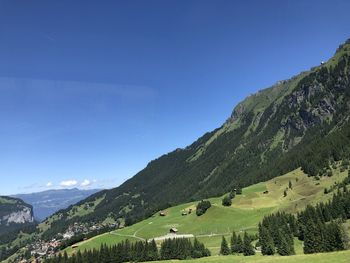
(239, 246)
(65, 256)
(138, 251)
(226, 201)
(196, 252)
(310, 238)
(79, 258)
(248, 249)
(283, 248)
(199, 250)
(266, 241)
(234, 243)
(224, 250)
(152, 251)
(335, 237)
(285, 245)
(232, 194)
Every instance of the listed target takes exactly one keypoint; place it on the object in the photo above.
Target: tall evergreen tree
(266, 241)
(224, 249)
(233, 244)
(285, 247)
(311, 241)
(248, 249)
(239, 246)
(152, 251)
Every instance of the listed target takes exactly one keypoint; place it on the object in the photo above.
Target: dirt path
(169, 236)
(133, 236)
(141, 229)
(214, 235)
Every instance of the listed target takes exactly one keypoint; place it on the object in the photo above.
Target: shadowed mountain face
(300, 122)
(48, 202)
(14, 215)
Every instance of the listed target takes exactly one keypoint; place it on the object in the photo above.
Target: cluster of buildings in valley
(42, 248)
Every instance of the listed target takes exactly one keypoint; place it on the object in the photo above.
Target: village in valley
(41, 250)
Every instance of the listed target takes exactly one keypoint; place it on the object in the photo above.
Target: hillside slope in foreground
(246, 212)
(336, 257)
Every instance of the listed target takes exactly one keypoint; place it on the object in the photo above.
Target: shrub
(226, 201)
(202, 207)
(239, 191)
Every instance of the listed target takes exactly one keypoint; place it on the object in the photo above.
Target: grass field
(336, 257)
(244, 214)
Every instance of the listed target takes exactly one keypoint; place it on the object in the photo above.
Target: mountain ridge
(272, 125)
(47, 202)
(302, 123)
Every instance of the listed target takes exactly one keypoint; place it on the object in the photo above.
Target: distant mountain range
(48, 202)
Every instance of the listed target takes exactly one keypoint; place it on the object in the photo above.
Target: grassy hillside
(335, 257)
(244, 214)
(300, 122)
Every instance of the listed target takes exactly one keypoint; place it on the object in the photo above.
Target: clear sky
(91, 91)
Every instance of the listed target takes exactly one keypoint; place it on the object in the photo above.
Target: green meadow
(246, 212)
(335, 257)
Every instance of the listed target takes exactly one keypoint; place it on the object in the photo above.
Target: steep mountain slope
(15, 216)
(301, 122)
(48, 202)
(14, 212)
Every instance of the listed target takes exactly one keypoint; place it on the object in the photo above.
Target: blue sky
(91, 91)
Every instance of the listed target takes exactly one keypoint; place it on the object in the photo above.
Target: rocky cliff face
(23, 215)
(14, 212)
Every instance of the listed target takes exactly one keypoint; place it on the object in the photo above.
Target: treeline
(5, 252)
(140, 251)
(238, 245)
(7, 248)
(13, 230)
(319, 227)
(276, 233)
(182, 248)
